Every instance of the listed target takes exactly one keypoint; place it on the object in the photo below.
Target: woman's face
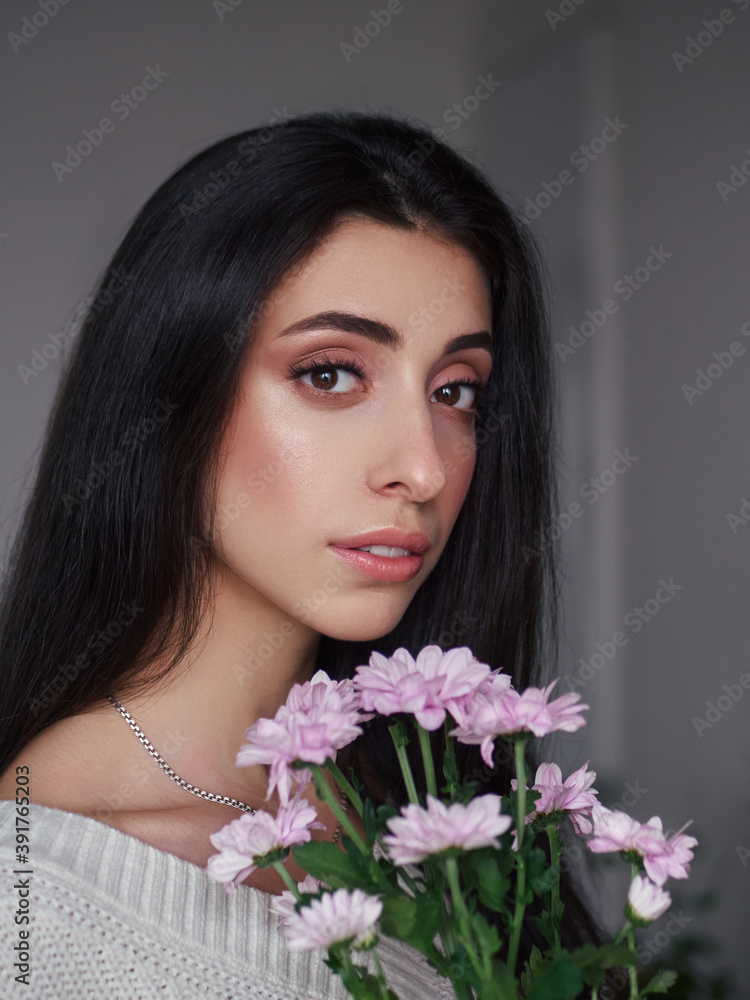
(380, 435)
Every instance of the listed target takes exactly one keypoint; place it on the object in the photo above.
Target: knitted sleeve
(109, 917)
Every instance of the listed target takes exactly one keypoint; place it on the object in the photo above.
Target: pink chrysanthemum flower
(463, 708)
(646, 901)
(337, 916)
(322, 692)
(319, 717)
(674, 859)
(419, 832)
(283, 905)
(506, 711)
(663, 857)
(247, 839)
(571, 796)
(425, 687)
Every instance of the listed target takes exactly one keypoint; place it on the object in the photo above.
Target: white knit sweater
(113, 918)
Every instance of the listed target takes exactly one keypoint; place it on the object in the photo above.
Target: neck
(244, 660)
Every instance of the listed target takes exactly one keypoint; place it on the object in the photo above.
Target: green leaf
(560, 980)
(466, 791)
(486, 935)
(661, 982)
(357, 979)
(504, 981)
(328, 863)
(385, 813)
(536, 866)
(399, 916)
(506, 862)
(529, 800)
(481, 871)
(527, 976)
(450, 769)
(429, 912)
(546, 925)
(527, 980)
(369, 819)
(546, 881)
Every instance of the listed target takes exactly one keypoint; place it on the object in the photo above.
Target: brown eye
(450, 394)
(328, 377)
(324, 378)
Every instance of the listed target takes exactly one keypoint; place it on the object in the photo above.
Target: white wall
(664, 516)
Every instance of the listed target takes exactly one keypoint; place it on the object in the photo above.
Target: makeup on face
(352, 448)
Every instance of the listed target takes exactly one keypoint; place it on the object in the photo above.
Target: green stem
(451, 868)
(409, 881)
(381, 976)
(429, 764)
(462, 991)
(351, 793)
(400, 740)
(634, 994)
(450, 756)
(288, 880)
(554, 857)
(325, 793)
(554, 895)
(344, 784)
(521, 881)
(626, 927)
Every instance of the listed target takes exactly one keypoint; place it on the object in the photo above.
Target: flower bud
(646, 901)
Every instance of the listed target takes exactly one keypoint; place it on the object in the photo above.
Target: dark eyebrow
(380, 333)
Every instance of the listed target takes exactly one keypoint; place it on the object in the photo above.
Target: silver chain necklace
(225, 799)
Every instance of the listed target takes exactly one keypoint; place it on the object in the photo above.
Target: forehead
(389, 272)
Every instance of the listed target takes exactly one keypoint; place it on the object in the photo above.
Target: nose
(406, 455)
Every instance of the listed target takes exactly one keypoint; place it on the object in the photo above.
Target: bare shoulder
(64, 762)
(82, 764)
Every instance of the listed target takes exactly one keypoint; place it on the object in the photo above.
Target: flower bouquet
(453, 872)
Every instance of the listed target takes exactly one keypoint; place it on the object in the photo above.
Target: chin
(363, 634)
(360, 625)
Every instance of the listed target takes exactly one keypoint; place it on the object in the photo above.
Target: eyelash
(326, 362)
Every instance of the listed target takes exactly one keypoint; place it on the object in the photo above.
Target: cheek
(460, 464)
(278, 470)
(262, 467)
(460, 461)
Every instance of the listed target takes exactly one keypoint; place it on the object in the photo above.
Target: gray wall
(664, 516)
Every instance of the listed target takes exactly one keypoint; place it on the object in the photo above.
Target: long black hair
(108, 571)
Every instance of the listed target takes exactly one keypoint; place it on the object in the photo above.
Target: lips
(390, 568)
(414, 541)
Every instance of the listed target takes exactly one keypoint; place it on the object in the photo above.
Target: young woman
(316, 338)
